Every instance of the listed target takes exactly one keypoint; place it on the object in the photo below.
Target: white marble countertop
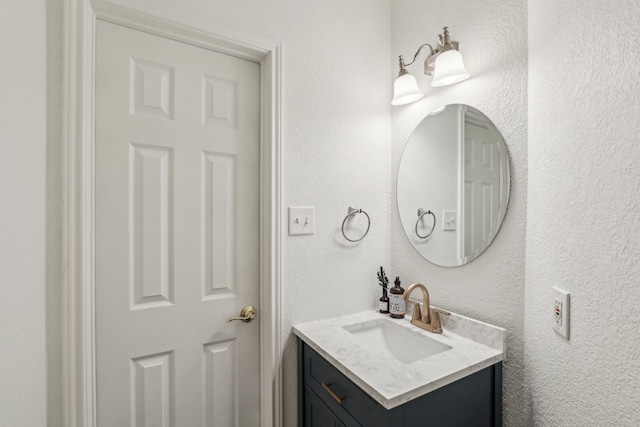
(474, 346)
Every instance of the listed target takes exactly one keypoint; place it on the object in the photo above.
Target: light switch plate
(448, 220)
(301, 220)
(560, 321)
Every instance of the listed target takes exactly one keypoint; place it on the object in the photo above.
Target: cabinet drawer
(338, 392)
(316, 413)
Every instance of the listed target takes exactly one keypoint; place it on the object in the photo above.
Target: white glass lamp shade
(449, 69)
(405, 90)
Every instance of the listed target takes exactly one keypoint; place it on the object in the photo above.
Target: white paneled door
(177, 233)
(483, 189)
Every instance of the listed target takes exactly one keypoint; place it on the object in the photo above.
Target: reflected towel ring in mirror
(353, 212)
(421, 213)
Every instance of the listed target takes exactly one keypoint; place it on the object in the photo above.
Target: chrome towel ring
(421, 213)
(354, 212)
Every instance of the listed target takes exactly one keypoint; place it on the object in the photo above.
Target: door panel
(177, 233)
(483, 188)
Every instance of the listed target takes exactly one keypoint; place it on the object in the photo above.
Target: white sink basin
(402, 343)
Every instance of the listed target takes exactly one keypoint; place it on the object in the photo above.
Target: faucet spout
(428, 321)
(425, 318)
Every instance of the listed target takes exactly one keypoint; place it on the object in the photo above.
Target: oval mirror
(453, 185)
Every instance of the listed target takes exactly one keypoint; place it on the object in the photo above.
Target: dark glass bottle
(384, 302)
(384, 299)
(396, 300)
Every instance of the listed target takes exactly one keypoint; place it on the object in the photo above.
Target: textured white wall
(22, 214)
(54, 213)
(493, 42)
(583, 223)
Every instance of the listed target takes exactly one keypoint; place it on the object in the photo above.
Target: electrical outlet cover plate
(561, 312)
(301, 220)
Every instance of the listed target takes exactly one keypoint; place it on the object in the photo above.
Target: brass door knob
(247, 314)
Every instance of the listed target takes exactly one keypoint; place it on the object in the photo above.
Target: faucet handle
(439, 310)
(435, 319)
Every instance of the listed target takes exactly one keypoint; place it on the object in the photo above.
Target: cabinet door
(317, 414)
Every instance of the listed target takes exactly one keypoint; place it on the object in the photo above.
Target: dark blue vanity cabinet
(327, 398)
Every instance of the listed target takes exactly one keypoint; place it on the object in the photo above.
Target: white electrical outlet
(561, 312)
(301, 220)
(557, 313)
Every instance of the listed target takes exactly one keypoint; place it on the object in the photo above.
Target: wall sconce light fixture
(444, 64)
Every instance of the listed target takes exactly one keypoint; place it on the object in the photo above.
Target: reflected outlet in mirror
(405, 345)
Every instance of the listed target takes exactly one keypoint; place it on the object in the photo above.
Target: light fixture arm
(403, 65)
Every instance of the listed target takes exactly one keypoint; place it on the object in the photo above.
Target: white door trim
(78, 299)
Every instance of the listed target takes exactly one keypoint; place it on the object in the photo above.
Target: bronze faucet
(431, 320)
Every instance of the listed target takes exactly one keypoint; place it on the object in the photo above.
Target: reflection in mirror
(453, 185)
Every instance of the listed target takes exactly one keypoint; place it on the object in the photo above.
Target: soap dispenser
(396, 300)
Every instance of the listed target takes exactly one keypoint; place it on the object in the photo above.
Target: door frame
(79, 349)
